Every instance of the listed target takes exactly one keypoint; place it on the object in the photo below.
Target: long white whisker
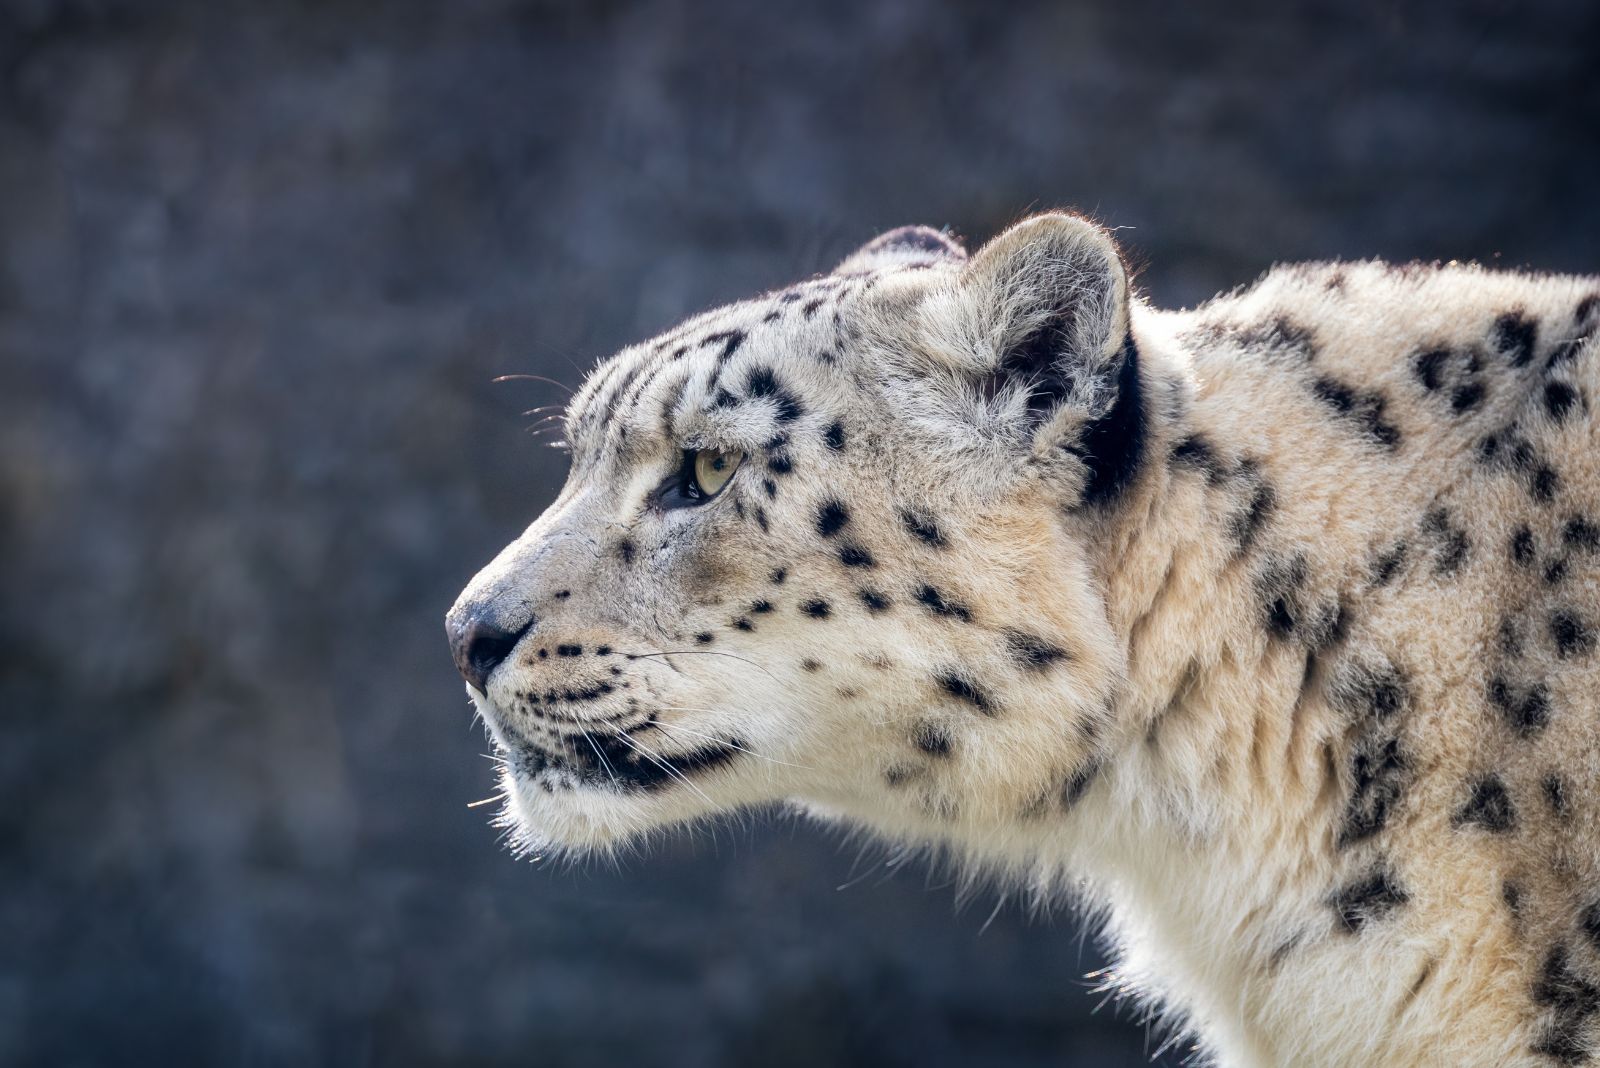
(666, 766)
(609, 770)
(533, 378)
(713, 738)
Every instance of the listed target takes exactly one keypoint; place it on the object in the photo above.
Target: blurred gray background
(258, 264)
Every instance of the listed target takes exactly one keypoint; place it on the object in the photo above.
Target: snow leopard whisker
(702, 652)
(664, 764)
(534, 378)
(721, 741)
(610, 771)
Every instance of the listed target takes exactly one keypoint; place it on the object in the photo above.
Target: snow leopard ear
(904, 247)
(1051, 298)
(1038, 324)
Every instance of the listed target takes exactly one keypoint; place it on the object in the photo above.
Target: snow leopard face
(824, 546)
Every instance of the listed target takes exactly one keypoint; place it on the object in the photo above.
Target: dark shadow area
(258, 265)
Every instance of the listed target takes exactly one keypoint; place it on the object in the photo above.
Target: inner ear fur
(1032, 335)
(1052, 297)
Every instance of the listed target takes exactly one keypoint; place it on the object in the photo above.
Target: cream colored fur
(1169, 695)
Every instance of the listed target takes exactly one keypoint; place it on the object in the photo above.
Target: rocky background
(258, 264)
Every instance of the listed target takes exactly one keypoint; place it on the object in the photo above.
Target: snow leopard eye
(700, 477)
(713, 469)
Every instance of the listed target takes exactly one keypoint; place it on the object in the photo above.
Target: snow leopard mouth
(614, 759)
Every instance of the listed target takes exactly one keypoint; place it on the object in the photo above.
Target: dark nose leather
(479, 645)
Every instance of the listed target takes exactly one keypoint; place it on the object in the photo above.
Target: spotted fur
(1270, 625)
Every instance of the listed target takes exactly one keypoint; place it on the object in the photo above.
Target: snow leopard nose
(479, 642)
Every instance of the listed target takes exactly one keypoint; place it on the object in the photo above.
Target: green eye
(711, 470)
(701, 475)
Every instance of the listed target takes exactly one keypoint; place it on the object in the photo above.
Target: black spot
(1587, 314)
(1368, 899)
(1511, 894)
(855, 556)
(730, 339)
(1590, 922)
(626, 549)
(1559, 399)
(761, 519)
(569, 650)
(1388, 565)
(899, 775)
(1078, 783)
(1574, 1000)
(778, 575)
(1488, 806)
(780, 463)
(809, 664)
(760, 607)
(1522, 547)
(1364, 408)
(1429, 367)
(777, 441)
(744, 624)
(705, 637)
(811, 307)
(1510, 637)
(1466, 397)
(723, 399)
(1280, 335)
(832, 518)
(1033, 651)
(1564, 351)
(1375, 689)
(1195, 452)
(1287, 611)
(816, 609)
(563, 595)
(762, 382)
(1381, 772)
(1514, 336)
(1581, 533)
(1526, 711)
(770, 488)
(923, 528)
(604, 650)
(1544, 484)
(936, 603)
(1246, 525)
(1570, 633)
(932, 739)
(834, 436)
(1555, 794)
(956, 686)
(875, 601)
(1451, 543)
